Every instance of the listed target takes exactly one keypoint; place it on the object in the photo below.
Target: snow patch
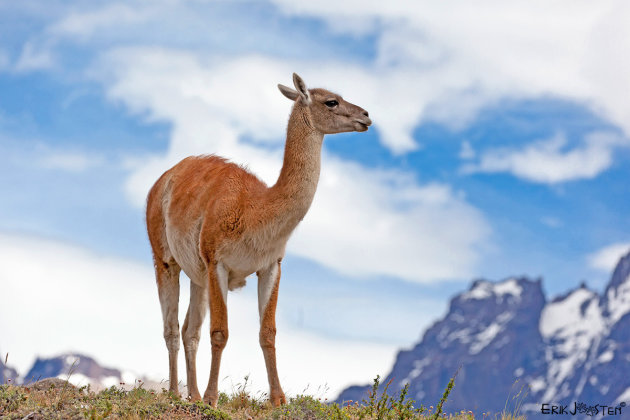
(481, 291)
(485, 337)
(128, 377)
(76, 379)
(505, 317)
(79, 380)
(110, 381)
(482, 339)
(508, 287)
(485, 289)
(606, 356)
(462, 335)
(418, 366)
(572, 326)
(71, 360)
(566, 315)
(623, 397)
(537, 384)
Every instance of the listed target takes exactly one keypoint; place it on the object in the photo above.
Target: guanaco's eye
(331, 104)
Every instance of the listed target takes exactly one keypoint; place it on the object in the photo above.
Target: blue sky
(500, 147)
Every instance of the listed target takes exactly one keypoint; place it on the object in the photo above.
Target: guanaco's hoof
(278, 400)
(194, 397)
(211, 400)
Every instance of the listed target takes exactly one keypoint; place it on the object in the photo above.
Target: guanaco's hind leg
(217, 293)
(168, 289)
(191, 333)
(268, 282)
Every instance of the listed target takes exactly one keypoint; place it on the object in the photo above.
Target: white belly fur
(239, 259)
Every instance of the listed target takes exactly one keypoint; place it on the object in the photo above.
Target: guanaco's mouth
(363, 124)
(361, 127)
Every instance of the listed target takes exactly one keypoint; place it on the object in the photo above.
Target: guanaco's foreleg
(217, 293)
(268, 282)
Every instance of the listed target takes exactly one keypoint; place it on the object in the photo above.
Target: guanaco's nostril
(366, 113)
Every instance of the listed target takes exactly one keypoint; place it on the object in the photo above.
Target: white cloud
(432, 61)
(550, 161)
(58, 298)
(464, 56)
(416, 232)
(606, 258)
(365, 223)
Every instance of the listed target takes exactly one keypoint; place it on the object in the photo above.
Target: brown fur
(219, 223)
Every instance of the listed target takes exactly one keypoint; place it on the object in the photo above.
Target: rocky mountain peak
(486, 302)
(573, 349)
(621, 275)
(616, 300)
(76, 368)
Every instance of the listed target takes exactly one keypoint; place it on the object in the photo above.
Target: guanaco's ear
(300, 86)
(288, 92)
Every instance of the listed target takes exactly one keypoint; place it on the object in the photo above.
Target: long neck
(293, 193)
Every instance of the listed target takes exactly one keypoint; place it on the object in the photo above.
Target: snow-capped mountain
(80, 370)
(503, 336)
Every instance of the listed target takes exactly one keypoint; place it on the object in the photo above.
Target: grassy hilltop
(50, 399)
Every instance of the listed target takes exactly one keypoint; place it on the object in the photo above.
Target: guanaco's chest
(251, 252)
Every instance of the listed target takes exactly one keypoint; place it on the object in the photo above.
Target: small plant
(71, 370)
(404, 407)
(11, 398)
(447, 391)
(390, 407)
(517, 399)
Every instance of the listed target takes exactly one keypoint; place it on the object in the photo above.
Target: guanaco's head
(329, 113)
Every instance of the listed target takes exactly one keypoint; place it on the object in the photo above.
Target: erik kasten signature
(582, 408)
